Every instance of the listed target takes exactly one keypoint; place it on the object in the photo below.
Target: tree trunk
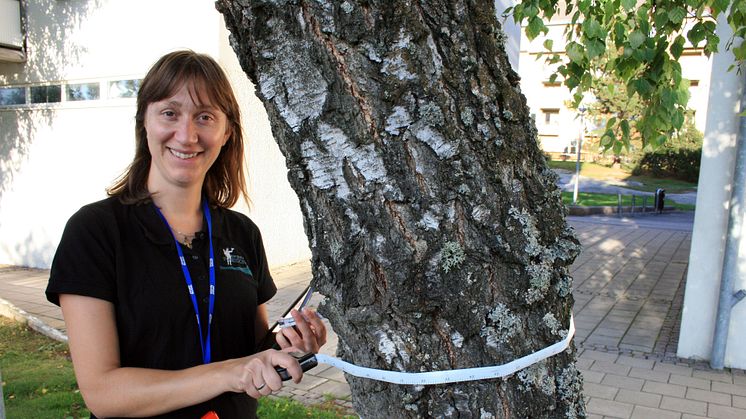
(437, 231)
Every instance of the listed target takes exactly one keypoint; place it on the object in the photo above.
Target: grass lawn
(38, 381)
(601, 172)
(598, 199)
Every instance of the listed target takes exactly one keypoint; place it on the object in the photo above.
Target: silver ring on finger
(261, 386)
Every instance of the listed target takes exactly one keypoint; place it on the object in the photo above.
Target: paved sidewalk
(629, 284)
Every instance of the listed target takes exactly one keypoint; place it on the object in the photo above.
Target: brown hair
(224, 182)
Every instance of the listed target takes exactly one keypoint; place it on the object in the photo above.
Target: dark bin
(660, 197)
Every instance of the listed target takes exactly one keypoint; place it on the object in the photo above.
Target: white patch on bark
(429, 221)
(326, 166)
(391, 347)
(398, 119)
(457, 339)
(435, 141)
(480, 213)
(395, 64)
(483, 414)
(298, 91)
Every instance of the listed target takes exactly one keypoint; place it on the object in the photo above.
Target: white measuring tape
(451, 376)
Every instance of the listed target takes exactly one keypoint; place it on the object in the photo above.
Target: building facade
(67, 105)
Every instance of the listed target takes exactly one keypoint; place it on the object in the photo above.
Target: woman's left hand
(308, 335)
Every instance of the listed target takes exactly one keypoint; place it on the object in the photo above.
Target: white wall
(711, 221)
(55, 158)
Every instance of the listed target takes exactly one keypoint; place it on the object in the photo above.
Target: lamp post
(577, 163)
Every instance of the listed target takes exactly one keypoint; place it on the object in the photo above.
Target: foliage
(639, 43)
(679, 158)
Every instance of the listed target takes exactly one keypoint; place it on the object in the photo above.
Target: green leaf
(610, 123)
(677, 47)
(535, 27)
(617, 147)
(636, 39)
(661, 18)
(575, 52)
(625, 128)
(629, 4)
(719, 6)
(696, 34)
(740, 52)
(548, 44)
(595, 48)
(593, 29)
(677, 15)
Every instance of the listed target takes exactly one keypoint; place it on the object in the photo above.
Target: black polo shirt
(126, 254)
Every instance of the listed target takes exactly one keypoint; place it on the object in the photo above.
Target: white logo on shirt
(228, 257)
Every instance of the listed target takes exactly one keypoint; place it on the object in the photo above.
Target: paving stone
(720, 376)
(642, 412)
(688, 416)
(336, 389)
(638, 398)
(592, 376)
(673, 369)
(624, 382)
(610, 408)
(729, 388)
(684, 406)
(708, 396)
(583, 363)
(739, 402)
(636, 362)
(600, 356)
(610, 368)
(724, 412)
(690, 382)
(659, 376)
(664, 389)
(599, 391)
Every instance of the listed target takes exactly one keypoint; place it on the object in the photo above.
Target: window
(83, 91)
(693, 83)
(46, 94)
(551, 116)
(12, 96)
(124, 88)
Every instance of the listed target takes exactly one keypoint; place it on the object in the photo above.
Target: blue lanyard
(206, 353)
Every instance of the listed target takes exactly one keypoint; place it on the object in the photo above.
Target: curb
(9, 310)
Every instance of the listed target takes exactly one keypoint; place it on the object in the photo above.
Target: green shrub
(682, 164)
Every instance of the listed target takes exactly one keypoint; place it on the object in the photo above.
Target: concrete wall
(57, 157)
(711, 221)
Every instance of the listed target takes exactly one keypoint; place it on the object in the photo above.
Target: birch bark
(437, 232)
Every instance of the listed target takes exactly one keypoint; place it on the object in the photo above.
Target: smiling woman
(156, 327)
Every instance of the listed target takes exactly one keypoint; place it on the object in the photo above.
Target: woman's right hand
(258, 376)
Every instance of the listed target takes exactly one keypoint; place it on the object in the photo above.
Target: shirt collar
(156, 230)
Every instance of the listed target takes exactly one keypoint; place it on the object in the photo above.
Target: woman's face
(184, 139)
